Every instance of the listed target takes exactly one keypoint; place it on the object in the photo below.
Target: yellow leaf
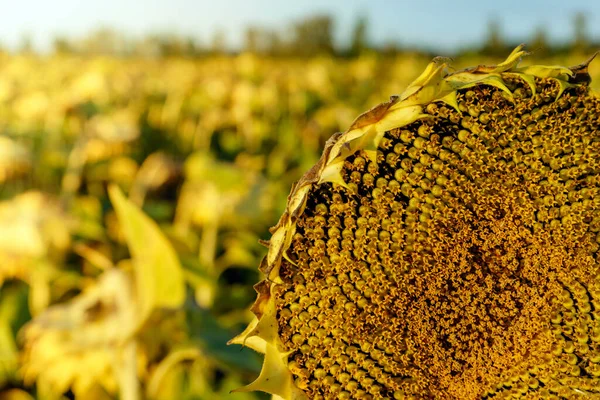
(158, 273)
(166, 365)
(15, 394)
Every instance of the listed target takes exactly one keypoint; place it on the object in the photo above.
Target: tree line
(307, 37)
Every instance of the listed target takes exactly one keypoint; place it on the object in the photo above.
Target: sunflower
(444, 246)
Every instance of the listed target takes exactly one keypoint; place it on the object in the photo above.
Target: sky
(443, 25)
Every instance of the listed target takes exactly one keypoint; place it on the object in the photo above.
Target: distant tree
(252, 39)
(539, 41)
(62, 45)
(359, 37)
(390, 47)
(166, 45)
(26, 45)
(259, 40)
(105, 41)
(580, 40)
(172, 46)
(218, 42)
(494, 42)
(274, 43)
(149, 46)
(313, 35)
(192, 48)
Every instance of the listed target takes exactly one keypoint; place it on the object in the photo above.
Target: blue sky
(444, 25)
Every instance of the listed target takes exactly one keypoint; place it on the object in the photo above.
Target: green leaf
(13, 305)
(203, 168)
(158, 273)
(8, 353)
(13, 314)
(212, 338)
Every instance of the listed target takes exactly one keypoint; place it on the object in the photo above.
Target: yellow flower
(33, 226)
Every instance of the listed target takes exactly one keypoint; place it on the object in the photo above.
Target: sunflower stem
(128, 381)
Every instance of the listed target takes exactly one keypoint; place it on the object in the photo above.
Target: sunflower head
(444, 246)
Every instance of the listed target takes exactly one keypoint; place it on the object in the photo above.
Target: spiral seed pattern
(461, 262)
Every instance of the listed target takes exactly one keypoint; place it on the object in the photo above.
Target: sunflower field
(134, 196)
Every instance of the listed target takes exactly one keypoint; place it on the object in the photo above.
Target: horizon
(406, 23)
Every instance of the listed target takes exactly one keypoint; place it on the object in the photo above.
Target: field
(133, 195)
